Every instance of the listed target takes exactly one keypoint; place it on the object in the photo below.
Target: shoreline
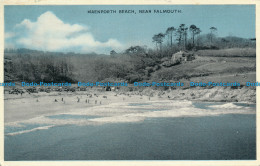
(28, 106)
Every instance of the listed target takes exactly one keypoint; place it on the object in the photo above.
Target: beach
(35, 105)
(129, 125)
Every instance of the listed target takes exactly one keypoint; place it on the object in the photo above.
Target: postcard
(109, 83)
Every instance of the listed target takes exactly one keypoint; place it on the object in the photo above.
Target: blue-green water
(139, 104)
(69, 116)
(246, 105)
(205, 105)
(225, 137)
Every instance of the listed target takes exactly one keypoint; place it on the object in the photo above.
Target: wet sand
(108, 107)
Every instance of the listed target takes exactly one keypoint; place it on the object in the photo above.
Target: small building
(182, 56)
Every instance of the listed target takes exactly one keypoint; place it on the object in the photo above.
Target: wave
(31, 130)
(228, 106)
(123, 113)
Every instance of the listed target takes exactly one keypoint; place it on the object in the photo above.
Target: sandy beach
(85, 125)
(115, 106)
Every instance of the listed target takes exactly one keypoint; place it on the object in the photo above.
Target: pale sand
(113, 109)
(19, 108)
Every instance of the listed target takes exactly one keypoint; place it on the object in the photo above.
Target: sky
(72, 29)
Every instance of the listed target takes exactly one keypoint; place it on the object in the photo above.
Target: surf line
(27, 131)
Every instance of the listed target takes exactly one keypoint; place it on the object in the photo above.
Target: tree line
(181, 34)
(136, 63)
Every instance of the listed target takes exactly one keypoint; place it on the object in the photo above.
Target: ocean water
(68, 116)
(222, 137)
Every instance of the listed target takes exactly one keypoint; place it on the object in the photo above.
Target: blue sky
(71, 28)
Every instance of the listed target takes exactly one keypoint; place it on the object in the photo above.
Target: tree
(194, 31)
(182, 34)
(158, 39)
(213, 31)
(113, 52)
(136, 50)
(169, 32)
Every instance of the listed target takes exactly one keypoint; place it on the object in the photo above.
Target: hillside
(209, 65)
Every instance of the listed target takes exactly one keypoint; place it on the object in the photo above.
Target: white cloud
(9, 35)
(52, 34)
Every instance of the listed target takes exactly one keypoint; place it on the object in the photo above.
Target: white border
(124, 163)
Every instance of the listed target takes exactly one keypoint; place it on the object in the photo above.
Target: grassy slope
(208, 66)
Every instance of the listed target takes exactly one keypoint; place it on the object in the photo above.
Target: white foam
(27, 131)
(228, 106)
(123, 113)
